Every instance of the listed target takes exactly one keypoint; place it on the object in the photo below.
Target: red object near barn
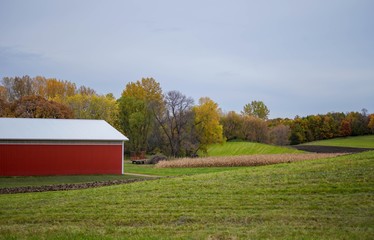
(32, 147)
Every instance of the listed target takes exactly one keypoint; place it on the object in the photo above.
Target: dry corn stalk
(236, 161)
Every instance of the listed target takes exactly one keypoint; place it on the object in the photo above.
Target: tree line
(170, 123)
(41, 97)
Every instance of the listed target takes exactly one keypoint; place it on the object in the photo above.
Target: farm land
(328, 198)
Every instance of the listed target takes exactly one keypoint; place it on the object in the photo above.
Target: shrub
(156, 159)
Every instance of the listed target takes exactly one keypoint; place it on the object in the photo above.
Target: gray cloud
(299, 57)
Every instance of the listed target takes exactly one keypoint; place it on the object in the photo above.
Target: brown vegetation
(236, 161)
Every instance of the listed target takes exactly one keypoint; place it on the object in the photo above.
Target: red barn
(33, 146)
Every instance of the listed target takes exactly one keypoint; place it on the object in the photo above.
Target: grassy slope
(321, 199)
(246, 148)
(359, 142)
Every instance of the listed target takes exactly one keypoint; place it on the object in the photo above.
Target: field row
(237, 161)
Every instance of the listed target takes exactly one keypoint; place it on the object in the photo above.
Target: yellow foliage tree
(84, 106)
(371, 122)
(207, 123)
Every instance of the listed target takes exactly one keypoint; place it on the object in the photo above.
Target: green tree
(359, 123)
(298, 130)
(137, 105)
(256, 109)
(207, 124)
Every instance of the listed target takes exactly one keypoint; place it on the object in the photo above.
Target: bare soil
(330, 149)
(64, 187)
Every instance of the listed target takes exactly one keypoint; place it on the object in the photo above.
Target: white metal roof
(58, 129)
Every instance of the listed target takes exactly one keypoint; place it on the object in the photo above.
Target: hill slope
(320, 199)
(358, 142)
(246, 148)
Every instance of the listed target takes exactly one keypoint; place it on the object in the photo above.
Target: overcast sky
(298, 57)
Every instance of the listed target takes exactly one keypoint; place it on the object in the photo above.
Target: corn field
(237, 161)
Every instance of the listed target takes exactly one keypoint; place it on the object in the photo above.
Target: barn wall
(32, 160)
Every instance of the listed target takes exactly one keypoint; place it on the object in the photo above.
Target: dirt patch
(330, 149)
(64, 187)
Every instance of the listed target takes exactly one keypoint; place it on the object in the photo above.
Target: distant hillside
(246, 148)
(357, 142)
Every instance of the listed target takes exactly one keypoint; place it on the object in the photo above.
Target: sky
(300, 57)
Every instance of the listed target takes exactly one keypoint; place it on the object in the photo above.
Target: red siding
(31, 160)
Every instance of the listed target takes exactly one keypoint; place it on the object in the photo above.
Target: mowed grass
(246, 148)
(53, 180)
(319, 199)
(358, 142)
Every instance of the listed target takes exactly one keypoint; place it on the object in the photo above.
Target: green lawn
(359, 142)
(52, 180)
(319, 199)
(246, 148)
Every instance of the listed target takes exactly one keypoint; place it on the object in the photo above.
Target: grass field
(246, 148)
(359, 142)
(319, 199)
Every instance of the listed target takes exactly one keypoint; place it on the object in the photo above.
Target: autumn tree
(137, 105)
(232, 123)
(336, 123)
(177, 123)
(256, 109)
(83, 90)
(207, 123)
(371, 123)
(55, 87)
(93, 107)
(345, 128)
(18, 87)
(50, 88)
(280, 135)
(4, 108)
(255, 129)
(3, 94)
(4, 105)
(38, 107)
